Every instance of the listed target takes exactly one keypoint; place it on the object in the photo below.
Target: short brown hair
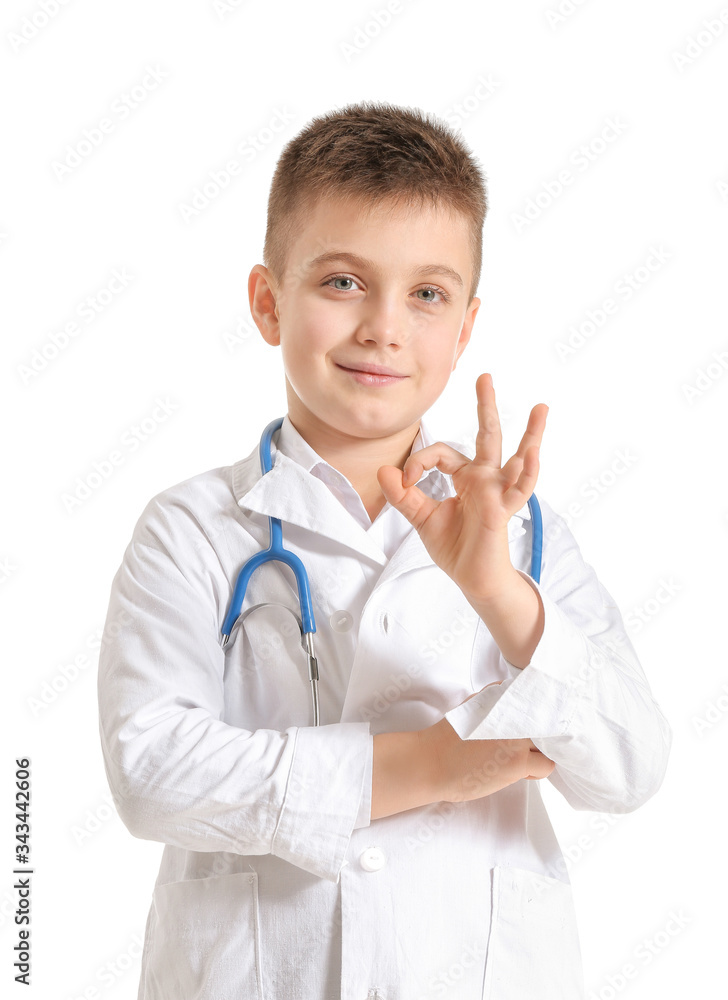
(377, 152)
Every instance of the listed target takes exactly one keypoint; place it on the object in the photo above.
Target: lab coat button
(372, 859)
(341, 621)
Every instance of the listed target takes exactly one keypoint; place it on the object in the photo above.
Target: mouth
(367, 369)
(374, 376)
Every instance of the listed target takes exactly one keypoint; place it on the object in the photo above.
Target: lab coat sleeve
(180, 775)
(583, 699)
(364, 817)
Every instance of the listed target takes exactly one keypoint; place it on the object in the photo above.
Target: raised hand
(467, 535)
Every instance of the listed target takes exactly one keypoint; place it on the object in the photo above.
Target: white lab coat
(274, 883)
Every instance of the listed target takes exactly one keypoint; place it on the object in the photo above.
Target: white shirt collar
(294, 446)
(295, 495)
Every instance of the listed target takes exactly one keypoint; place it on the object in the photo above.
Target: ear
(263, 304)
(466, 330)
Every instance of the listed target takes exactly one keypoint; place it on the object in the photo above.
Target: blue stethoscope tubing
(277, 553)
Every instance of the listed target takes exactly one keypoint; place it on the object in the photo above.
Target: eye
(433, 288)
(340, 277)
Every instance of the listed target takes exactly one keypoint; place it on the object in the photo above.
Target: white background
(231, 74)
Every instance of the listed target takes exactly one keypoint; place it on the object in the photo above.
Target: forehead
(391, 232)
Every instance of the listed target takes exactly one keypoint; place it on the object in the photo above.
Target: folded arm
(178, 773)
(583, 698)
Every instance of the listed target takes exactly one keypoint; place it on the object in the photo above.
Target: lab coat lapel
(295, 496)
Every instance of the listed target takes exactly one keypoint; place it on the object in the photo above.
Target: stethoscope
(276, 553)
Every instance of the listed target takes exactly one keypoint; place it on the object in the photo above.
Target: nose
(384, 323)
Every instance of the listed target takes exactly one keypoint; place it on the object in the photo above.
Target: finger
(515, 466)
(410, 501)
(439, 455)
(518, 494)
(532, 436)
(539, 766)
(489, 440)
(534, 429)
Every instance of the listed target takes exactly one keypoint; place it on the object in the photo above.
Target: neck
(359, 458)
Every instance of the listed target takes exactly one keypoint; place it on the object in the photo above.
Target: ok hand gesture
(467, 535)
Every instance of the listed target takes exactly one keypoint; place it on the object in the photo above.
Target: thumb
(410, 501)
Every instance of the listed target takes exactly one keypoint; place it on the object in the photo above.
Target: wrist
(514, 615)
(429, 760)
(403, 771)
(497, 590)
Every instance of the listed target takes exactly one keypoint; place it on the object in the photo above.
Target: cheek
(438, 359)
(313, 332)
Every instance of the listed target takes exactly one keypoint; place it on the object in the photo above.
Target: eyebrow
(331, 256)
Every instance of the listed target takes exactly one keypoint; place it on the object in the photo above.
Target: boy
(398, 850)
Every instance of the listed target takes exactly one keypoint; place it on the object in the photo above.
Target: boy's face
(397, 306)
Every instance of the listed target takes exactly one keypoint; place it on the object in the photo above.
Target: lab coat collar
(292, 494)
